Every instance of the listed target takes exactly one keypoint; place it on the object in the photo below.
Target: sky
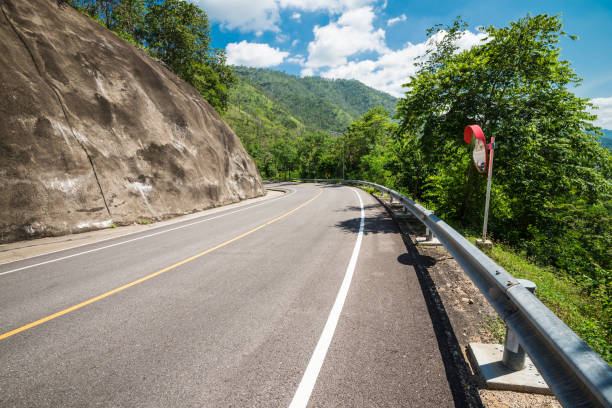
(377, 41)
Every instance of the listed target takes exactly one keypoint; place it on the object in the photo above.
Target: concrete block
(488, 361)
(486, 245)
(422, 241)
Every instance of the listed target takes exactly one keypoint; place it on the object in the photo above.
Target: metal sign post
(482, 154)
(491, 148)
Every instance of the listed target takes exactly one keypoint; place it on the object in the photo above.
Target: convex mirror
(474, 136)
(479, 154)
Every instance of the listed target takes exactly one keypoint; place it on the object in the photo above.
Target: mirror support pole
(486, 213)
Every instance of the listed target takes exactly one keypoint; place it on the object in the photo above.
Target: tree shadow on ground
(421, 260)
(376, 224)
(358, 208)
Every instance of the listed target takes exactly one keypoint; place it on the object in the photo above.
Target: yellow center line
(154, 274)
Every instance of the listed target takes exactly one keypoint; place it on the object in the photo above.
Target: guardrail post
(514, 354)
(428, 234)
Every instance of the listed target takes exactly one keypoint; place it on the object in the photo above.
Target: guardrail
(577, 375)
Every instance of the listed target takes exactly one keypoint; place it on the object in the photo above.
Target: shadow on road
(458, 373)
(357, 208)
(378, 224)
(421, 260)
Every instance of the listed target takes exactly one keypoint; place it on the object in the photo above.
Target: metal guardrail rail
(577, 375)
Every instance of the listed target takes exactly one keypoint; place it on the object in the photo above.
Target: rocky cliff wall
(94, 132)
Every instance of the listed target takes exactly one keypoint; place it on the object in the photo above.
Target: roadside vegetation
(175, 32)
(586, 314)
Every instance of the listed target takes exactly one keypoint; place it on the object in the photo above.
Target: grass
(586, 315)
(495, 325)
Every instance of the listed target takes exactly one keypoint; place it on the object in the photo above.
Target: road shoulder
(20, 250)
(384, 351)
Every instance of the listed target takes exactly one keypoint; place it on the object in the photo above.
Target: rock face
(94, 132)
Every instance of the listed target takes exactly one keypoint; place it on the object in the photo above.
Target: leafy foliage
(174, 31)
(551, 177)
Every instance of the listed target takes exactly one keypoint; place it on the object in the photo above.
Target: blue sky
(376, 41)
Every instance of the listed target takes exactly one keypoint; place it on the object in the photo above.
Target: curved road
(299, 300)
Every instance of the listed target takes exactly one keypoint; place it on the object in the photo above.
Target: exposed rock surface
(93, 131)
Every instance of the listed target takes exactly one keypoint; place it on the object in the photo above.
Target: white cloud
(332, 6)
(393, 68)
(396, 20)
(264, 15)
(296, 59)
(296, 16)
(245, 15)
(306, 72)
(604, 113)
(254, 54)
(352, 34)
(294, 42)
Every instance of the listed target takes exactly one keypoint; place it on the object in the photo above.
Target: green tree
(178, 33)
(363, 136)
(548, 165)
(174, 31)
(129, 20)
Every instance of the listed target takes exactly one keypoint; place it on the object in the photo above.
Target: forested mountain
(323, 104)
(275, 114)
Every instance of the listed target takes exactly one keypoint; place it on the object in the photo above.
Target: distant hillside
(606, 139)
(270, 107)
(319, 103)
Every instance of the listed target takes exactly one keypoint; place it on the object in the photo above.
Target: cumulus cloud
(264, 15)
(604, 113)
(331, 6)
(352, 34)
(392, 69)
(296, 59)
(245, 15)
(396, 20)
(296, 16)
(254, 54)
(281, 38)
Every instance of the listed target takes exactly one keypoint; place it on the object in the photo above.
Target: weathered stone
(93, 131)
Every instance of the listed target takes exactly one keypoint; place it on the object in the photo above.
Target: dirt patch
(467, 314)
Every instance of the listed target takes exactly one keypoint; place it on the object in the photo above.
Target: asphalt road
(294, 300)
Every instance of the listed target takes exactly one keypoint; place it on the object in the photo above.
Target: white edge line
(302, 394)
(166, 223)
(129, 240)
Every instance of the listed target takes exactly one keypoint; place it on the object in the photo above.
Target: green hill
(326, 104)
(270, 107)
(606, 139)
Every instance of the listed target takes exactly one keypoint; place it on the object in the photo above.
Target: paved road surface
(228, 310)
